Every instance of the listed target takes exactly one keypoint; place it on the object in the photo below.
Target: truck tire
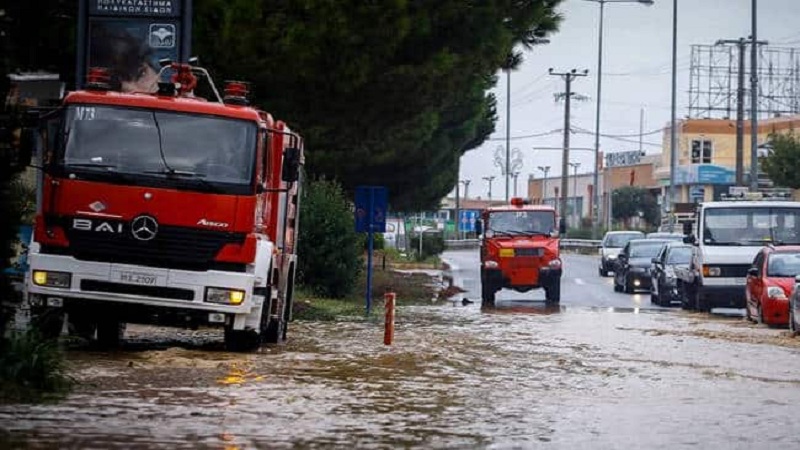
(487, 294)
(82, 325)
(552, 293)
(275, 332)
(241, 340)
(110, 333)
(48, 322)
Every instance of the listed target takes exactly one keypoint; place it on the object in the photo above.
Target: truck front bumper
(717, 296)
(546, 277)
(102, 282)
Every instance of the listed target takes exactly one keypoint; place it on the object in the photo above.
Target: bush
(31, 366)
(378, 243)
(329, 250)
(432, 245)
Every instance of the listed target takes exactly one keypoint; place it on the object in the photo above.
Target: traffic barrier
(388, 330)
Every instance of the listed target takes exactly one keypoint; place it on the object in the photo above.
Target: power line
(528, 136)
(649, 133)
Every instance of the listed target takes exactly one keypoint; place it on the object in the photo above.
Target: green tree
(389, 93)
(784, 159)
(329, 250)
(631, 201)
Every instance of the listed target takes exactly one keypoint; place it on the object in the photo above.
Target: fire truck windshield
(215, 151)
(521, 222)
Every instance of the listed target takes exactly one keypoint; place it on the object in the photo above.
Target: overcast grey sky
(636, 74)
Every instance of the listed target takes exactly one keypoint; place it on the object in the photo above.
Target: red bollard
(388, 305)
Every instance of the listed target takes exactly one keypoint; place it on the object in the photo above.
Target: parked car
(632, 269)
(770, 283)
(610, 247)
(666, 236)
(664, 286)
(794, 308)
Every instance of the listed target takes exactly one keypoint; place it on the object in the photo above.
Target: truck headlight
(776, 292)
(710, 271)
(52, 279)
(489, 264)
(555, 264)
(224, 296)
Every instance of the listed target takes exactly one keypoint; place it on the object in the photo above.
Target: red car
(770, 282)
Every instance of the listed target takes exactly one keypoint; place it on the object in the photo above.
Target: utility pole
(741, 43)
(507, 171)
(575, 192)
(456, 219)
(641, 130)
(544, 169)
(490, 179)
(754, 100)
(673, 138)
(515, 175)
(568, 78)
(466, 196)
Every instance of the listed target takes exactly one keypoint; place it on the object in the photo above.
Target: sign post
(370, 210)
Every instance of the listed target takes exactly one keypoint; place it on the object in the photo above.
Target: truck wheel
(487, 294)
(48, 322)
(700, 302)
(82, 325)
(275, 331)
(110, 333)
(552, 294)
(241, 340)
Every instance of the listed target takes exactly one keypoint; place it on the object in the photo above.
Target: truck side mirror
(562, 227)
(687, 228)
(479, 227)
(290, 171)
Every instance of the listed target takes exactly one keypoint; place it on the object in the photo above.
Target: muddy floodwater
(520, 376)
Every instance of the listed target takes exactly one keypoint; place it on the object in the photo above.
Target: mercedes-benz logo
(144, 228)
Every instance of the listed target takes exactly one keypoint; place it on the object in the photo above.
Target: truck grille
(528, 252)
(173, 247)
(145, 291)
(732, 270)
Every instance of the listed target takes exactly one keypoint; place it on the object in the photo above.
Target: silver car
(612, 244)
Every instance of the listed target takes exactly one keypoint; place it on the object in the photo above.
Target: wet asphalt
(602, 370)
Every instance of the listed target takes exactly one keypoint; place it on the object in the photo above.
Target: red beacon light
(236, 93)
(518, 201)
(98, 79)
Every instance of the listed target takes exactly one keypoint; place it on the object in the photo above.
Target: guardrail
(566, 244)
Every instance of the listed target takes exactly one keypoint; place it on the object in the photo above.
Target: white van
(726, 239)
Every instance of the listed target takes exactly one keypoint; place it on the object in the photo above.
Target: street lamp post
(575, 166)
(544, 169)
(595, 196)
(515, 175)
(490, 179)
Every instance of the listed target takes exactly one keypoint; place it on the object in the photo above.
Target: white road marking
(579, 281)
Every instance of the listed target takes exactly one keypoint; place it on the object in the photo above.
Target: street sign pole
(370, 215)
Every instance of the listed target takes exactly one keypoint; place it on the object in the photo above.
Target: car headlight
(489, 264)
(52, 279)
(612, 256)
(776, 292)
(711, 271)
(555, 264)
(224, 296)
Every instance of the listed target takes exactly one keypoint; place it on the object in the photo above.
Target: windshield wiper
(199, 177)
(99, 165)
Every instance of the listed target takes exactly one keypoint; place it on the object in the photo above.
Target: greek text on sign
(136, 7)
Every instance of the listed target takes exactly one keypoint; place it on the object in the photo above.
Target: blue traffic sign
(371, 202)
(466, 220)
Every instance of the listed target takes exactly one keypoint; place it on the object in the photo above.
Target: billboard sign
(620, 159)
(129, 37)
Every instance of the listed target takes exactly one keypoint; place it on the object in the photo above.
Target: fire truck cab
(165, 209)
(519, 248)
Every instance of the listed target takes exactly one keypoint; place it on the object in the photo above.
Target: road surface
(601, 371)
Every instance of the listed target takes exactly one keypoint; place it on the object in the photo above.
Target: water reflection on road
(518, 375)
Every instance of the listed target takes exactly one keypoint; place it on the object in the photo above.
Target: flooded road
(522, 375)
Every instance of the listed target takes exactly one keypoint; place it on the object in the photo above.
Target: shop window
(702, 151)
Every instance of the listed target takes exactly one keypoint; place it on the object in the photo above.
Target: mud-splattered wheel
(487, 294)
(110, 333)
(552, 293)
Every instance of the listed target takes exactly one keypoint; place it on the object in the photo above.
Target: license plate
(140, 278)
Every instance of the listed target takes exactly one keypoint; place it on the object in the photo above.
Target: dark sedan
(664, 289)
(632, 271)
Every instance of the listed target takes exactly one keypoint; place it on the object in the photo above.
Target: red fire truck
(519, 250)
(165, 209)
